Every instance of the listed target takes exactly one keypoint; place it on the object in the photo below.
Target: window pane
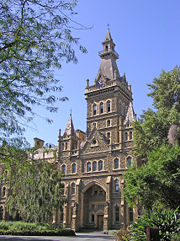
(73, 188)
(89, 167)
(116, 185)
(117, 214)
(74, 168)
(108, 106)
(64, 169)
(101, 108)
(94, 109)
(94, 166)
(116, 163)
(100, 165)
(129, 161)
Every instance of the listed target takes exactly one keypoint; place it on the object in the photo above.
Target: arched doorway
(93, 213)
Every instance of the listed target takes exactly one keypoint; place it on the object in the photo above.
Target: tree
(156, 177)
(35, 37)
(34, 188)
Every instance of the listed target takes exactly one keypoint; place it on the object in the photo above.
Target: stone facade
(94, 162)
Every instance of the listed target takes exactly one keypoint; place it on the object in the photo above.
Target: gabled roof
(130, 116)
(69, 127)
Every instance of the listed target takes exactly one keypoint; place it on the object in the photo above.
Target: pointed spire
(69, 127)
(108, 35)
(130, 117)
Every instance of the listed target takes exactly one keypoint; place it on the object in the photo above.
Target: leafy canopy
(35, 37)
(155, 180)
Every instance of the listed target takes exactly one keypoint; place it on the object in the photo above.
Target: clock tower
(109, 98)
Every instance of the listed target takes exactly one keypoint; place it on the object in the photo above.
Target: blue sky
(147, 38)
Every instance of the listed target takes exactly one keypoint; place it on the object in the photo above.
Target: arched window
(4, 192)
(66, 145)
(116, 213)
(100, 165)
(101, 108)
(73, 188)
(62, 146)
(1, 213)
(73, 168)
(94, 166)
(63, 169)
(130, 215)
(130, 135)
(126, 136)
(116, 185)
(108, 122)
(129, 160)
(106, 47)
(89, 166)
(116, 163)
(108, 106)
(94, 109)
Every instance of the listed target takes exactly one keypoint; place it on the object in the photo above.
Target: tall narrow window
(116, 185)
(1, 213)
(129, 159)
(63, 169)
(106, 47)
(126, 136)
(4, 192)
(62, 146)
(92, 218)
(73, 168)
(101, 108)
(116, 163)
(108, 122)
(108, 137)
(130, 215)
(88, 166)
(94, 166)
(130, 135)
(100, 165)
(94, 109)
(108, 106)
(73, 188)
(116, 213)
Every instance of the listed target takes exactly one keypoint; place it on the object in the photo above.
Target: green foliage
(122, 235)
(34, 189)
(152, 129)
(22, 226)
(156, 182)
(168, 222)
(35, 38)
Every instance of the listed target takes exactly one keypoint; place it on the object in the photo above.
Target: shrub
(168, 222)
(122, 235)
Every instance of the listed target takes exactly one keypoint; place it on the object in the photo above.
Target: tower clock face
(100, 83)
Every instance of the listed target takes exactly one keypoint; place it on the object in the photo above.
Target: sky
(147, 38)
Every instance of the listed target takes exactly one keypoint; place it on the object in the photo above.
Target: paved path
(97, 236)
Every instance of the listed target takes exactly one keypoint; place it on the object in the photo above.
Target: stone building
(94, 162)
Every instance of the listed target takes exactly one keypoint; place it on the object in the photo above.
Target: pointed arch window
(130, 135)
(101, 107)
(130, 215)
(74, 168)
(89, 166)
(94, 166)
(108, 106)
(63, 169)
(116, 163)
(94, 109)
(116, 185)
(73, 188)
(129, 160)
(100, 165)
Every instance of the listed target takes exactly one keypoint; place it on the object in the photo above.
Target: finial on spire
(108, 26)
(71, 111)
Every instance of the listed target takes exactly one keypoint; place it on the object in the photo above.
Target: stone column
(106, 217)
(65, 215)
(74, 224)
